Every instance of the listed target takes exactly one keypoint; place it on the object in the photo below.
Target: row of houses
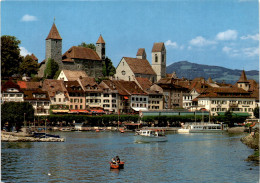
(75, 92)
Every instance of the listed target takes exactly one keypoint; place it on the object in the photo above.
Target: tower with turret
(54, 46)
(159, 60)
(243, 82)
(101, 48)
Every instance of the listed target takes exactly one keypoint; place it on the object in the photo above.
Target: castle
(76, 58)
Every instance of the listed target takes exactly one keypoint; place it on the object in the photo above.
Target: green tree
(28, 66)
(256, 112)
(228, 118)
(91, 46)
(108, 68)
(51, 68)
(10, 55)
(15, 113)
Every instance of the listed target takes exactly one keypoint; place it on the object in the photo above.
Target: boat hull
(117, 166)
(146, 139)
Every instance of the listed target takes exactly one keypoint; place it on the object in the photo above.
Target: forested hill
(192, 70)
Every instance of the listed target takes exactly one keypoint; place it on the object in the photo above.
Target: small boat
(150, 136)
(202, 128)
(117, 165)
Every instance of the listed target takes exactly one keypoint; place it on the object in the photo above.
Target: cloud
(227, 35)
(171, 44)
(201, 41)
(253, 37)
(24, 51)
(246, 52)
(251, 52)
(28, 18)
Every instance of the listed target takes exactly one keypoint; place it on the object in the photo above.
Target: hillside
(192, 70)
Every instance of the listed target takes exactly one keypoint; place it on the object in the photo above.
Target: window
(156, 58)
(123, 72)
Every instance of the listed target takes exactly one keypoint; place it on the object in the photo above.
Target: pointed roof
(140, 52)
(210, 80)
(100, 40)
(243, 78)
(34, 57)
(54, 33)
(158, 47)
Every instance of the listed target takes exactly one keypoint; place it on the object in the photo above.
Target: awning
(60, 111)
(235, 114)
(79, 111)
(132, 124)
(97, 111)
(139, 108)
(125, 97)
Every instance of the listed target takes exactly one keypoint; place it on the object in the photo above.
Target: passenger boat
(117, 165)
(202, 128)
(150, 136)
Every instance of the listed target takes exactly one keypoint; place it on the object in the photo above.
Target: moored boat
(202, 128)
(150, 136)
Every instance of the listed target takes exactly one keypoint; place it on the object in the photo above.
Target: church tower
(243, 82)
(159, 60)
(101, 48)
(54, 46)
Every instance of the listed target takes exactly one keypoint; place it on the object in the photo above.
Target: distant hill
(192, 70)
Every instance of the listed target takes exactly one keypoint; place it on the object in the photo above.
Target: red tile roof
(89, 84)
(73, 87)
(145, 83)
(54, 33)
(224, 92)
(22, 84)
(52, 86)
(100, 40)
(124, 87)
(140, 52)
(139, 66)
(29, 94)
(34, 57)
(74, 75)
(76, 52)
(158, 47)
(242, 78)
(10, 84)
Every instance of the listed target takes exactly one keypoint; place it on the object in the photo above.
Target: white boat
(144, 136)
(202, 128)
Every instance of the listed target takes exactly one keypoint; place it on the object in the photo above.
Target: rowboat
(117, 165)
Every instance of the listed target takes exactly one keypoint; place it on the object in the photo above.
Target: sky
(212, 32)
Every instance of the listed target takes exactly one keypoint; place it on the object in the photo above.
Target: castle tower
(159, 60)
(101, 48)
(243, 82)
(54, 46)
(141, 54)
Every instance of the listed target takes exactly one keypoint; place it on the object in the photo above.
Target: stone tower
(159, 60)
(54, 46)
(101, 48)
(141, 53)
(243, 82)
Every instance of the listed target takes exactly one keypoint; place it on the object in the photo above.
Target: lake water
(85, 156)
